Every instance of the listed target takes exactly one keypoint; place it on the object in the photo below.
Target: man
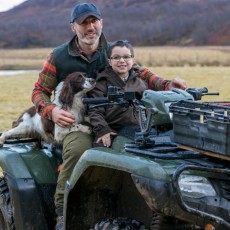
(86, 52)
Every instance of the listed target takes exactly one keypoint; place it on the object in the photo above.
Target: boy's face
(121, 60)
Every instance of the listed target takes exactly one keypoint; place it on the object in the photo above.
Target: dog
(68, 95)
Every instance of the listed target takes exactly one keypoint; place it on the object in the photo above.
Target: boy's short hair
(120, 43)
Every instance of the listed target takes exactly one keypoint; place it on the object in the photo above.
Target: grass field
(183, 56)
(15, 95)
(146, 56)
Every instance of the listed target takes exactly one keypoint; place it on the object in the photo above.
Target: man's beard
(90, 41)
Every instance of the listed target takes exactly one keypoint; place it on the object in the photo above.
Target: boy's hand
(106, 139)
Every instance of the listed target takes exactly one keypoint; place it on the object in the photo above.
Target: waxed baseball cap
(82, 11)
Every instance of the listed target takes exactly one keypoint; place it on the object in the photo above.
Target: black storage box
(202, 125)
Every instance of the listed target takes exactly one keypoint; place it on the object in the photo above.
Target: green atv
(159, 180)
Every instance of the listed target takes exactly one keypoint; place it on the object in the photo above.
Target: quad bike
(171, 173)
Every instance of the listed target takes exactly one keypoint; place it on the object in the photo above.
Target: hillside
(45, 23)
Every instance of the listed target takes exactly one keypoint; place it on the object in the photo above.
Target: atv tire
(119, 223)
(6, 211)
(161, 222)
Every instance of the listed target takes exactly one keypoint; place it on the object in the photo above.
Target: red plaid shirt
(44, 87)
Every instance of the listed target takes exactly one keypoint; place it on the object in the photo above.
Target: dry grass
(183, 56)
(146, 56)
(216, 79)
(15, 95)
(23, 58)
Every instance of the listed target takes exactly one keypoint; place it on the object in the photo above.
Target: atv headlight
(195, 186)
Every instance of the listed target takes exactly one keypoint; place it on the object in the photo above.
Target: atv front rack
(161, 147)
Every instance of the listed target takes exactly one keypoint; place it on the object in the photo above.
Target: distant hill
(45, 23)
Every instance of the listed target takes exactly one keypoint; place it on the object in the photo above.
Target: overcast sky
(8, 4)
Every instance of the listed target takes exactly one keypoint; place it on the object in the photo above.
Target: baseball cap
(82, 11)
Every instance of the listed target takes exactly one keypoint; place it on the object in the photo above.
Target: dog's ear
(66, 96)
(72, 85)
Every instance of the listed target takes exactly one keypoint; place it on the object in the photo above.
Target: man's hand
(177, 83)
(62, 117)
(106, 139)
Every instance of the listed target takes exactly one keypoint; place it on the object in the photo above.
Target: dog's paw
(82, 128)
(88, 130)
(2, 143)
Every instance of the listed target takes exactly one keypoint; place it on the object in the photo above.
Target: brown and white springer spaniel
(68, 95)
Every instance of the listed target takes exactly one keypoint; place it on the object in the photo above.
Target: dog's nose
(92, 81)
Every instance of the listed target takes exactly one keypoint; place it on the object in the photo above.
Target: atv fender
(122, 161)
(101, 186)
(27, 171)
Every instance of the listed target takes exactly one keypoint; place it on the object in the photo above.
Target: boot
(59, 223)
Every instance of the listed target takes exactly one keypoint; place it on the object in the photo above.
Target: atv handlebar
(198, 93)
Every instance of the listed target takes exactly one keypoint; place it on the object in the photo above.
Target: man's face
(89, 31)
